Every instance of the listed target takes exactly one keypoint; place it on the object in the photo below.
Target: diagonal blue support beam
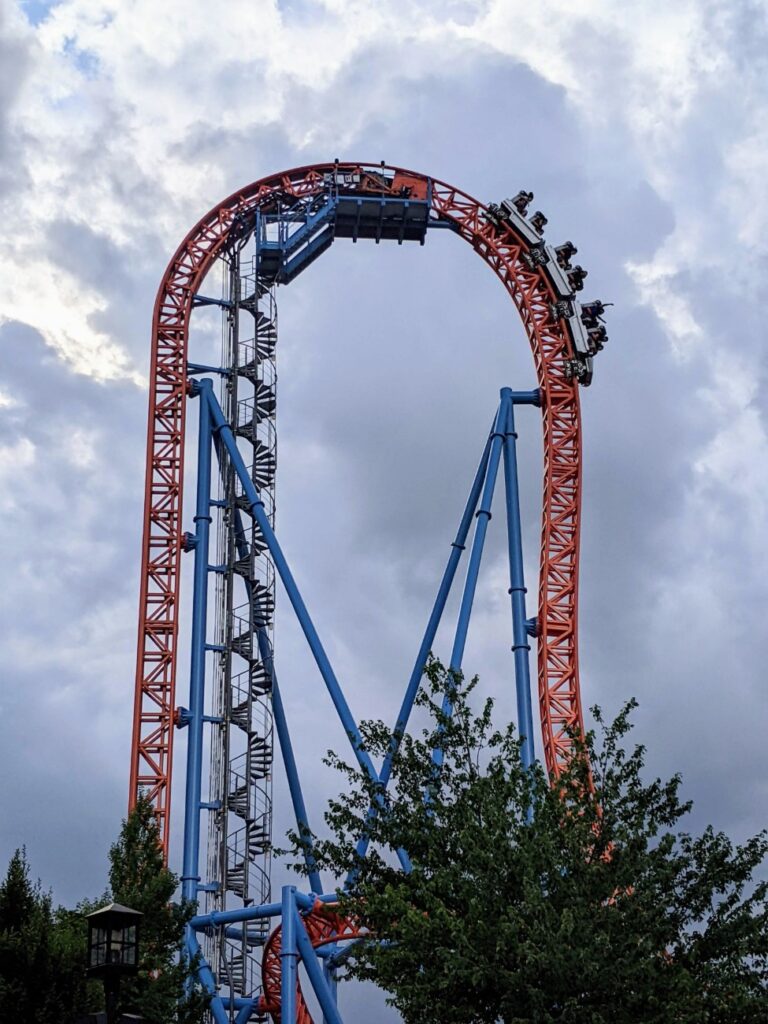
(244, 1013)
(206, 978)
(256, 505)
(323, 991)
(219, 918)
(457, 547)
(329, 974)
(193, 368)
(281, 722)
(294, 786)
(482, 517)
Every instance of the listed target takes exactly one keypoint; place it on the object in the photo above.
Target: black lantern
(113, 948)
(113, 940)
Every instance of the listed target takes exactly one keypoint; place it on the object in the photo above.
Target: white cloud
(116, 89)
(656, 285)
(54, 301)
(80, 447)
(744, 192)
(13, 459)
(733, 465)
(8, 401)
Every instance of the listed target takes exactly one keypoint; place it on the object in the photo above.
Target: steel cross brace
(215, 431)
(502, 439)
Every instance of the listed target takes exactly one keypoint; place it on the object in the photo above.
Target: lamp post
(113, 949)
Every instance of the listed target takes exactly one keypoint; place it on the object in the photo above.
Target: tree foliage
(43, 952)
(42, 959)
(581, 903)
(139, 879)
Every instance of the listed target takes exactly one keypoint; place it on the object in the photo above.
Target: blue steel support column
(482, 516)
(521, 647)
(190, 873)
(289, 957)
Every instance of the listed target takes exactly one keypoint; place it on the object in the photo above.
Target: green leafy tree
(139, 879)
(43, 952)
(42, 977)
(25, 924)
(582, 903)
(80, 995)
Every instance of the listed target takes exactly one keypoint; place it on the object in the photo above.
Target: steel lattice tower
(240, 825)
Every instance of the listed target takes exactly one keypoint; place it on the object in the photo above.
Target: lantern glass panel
(129, 946)
(98, 947)
(122, 946)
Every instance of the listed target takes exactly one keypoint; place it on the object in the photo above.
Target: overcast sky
(643, 130)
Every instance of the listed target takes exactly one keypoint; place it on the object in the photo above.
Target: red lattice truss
(559, 700)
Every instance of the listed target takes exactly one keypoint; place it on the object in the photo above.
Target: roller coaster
(247, 947)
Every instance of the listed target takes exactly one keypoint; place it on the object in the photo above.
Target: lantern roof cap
(115, 908)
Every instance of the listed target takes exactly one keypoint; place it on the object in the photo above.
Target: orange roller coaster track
(512, 257)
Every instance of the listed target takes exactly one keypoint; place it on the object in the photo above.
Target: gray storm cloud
(390, 362)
